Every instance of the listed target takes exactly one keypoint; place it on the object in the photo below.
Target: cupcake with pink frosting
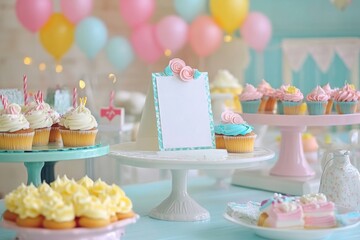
(346, 99)
(317, 101)
(279, 95)
(250, 99)
(268, 101)
(292, 100)
(329, 91)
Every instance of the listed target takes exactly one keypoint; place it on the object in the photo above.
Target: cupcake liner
(240, 144)
(73, 138)
(270, 105)
(41, 137)
(220, 142)
(291, 108)
(250, 106)
(345, 107)
(280, 107)
(263, 104)
(329, 106)
(55, 135)
(316, 108)
(16, 141)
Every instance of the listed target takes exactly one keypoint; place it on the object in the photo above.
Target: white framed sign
(178, 110)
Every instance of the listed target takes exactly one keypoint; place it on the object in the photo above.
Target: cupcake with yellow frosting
(15, 131)
(57, 214)
(29, 208)
(12, 201)
(78, 127)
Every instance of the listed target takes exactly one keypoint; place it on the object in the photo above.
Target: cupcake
(55, 135)
(329, 91)
(317, 101)
(250, 99)
(15, 131)
(279, 95)
(219, 136)
(238, 135)
(268, 101)
(78, 127)
(39, 119)
(225, 83)
(292, 100)
(346, 100)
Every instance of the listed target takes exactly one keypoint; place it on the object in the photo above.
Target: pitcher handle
(326, 159)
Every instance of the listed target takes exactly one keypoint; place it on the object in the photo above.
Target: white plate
(113, 231)
(290, 234)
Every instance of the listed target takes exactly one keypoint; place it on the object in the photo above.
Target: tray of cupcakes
(37, 127)
(289, 100)
(68, 209)
(280, 217)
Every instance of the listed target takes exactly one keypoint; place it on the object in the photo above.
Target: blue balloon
(190, 9)
(91, 36)
(119, 52)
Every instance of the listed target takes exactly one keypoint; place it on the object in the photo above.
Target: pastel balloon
(33, 14)
(205, 36)
(91, 36)
(145, 45)
(76, 10)
(229, 14)
(171, 33)
(256, 31)
(57, 35)
(119, 52)
(136, 12)
(190, 9)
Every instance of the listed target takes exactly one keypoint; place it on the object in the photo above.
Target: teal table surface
(202, 189)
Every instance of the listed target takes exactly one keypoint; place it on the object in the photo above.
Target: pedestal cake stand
(179, 206)
(291, 173)
(34, 160)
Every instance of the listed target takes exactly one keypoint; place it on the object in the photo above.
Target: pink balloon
(171, 33)
(256, 31)
(76, 10)
(144, 43)
(33, 14)
(136, 12)
(205, 36)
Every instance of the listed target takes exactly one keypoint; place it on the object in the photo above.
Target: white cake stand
(179, 206)
(291, 173)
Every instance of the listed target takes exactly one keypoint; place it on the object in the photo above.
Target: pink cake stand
(291, 161)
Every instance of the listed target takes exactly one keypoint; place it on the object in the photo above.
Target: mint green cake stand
(34, 160)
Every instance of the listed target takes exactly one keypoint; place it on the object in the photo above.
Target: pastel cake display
(311, 211)
(66, 204)
(318, 212)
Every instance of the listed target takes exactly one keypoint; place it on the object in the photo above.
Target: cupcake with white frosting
(15, 131)
(78, 127)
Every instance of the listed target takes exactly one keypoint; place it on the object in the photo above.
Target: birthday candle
(26, 100)
(74, 103)
(112, 95)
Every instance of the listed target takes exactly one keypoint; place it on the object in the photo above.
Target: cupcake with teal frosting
(238, 136)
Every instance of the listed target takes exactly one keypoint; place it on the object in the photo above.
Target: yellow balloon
(57, 35)
(229, 14)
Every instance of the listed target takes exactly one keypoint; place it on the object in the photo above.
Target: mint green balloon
(91, 36)
(190, 9)
(119, 52)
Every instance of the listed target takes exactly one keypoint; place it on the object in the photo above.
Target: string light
(227, 38)
(112, 77)
(58, 68)
(42, 67)
(27, 60)
(82, 84)
(167, 52)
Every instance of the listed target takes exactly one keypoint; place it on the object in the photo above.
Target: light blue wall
(303, 19)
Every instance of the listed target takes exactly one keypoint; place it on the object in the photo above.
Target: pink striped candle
(74, 102)
(26, 97)
(112, 96)
(4, 101)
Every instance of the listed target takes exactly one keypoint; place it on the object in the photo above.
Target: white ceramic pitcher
(340, 180)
